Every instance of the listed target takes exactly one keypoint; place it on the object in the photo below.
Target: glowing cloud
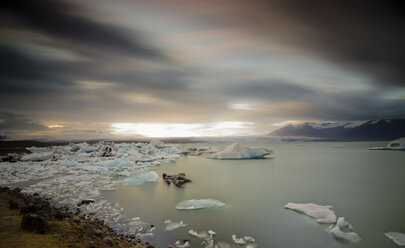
(224, 128)
(241, 106)
(284, 123)
(55, 126)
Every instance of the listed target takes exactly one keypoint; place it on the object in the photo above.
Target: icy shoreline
(72, 173)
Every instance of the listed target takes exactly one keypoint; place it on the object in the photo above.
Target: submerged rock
(236, 151)
(322, 214)
(178, 179)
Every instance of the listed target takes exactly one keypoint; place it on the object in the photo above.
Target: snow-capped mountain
(387, 129)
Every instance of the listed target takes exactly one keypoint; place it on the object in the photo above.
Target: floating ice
(182, 244)
(236, 151)
(244, 240)
(116, 163)
(170, 225)
(396, 237)
(199, 203)
(200, 235)
(37, 157)
(398, 144)
(149, 177)
(75, 172)
(322, 214)
(343, 230)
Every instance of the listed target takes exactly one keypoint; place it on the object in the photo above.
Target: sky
(130, 68)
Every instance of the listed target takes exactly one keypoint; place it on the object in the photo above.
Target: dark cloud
(271, 90)
(61, 20)
(11, 121)
(364, 36)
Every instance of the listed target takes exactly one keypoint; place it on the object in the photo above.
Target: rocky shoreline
(30, 221)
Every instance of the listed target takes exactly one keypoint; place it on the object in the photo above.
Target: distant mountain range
(373, 130)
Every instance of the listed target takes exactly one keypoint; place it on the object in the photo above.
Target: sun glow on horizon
(156, 129)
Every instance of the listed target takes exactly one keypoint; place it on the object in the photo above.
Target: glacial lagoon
(364, 186)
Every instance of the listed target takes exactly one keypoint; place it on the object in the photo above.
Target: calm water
(366, 187)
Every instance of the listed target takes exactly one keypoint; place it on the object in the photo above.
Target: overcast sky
(98, 68)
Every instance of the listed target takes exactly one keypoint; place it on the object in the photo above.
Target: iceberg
(322, 214)
(199, 203)
(37, 157)
(116, 163)
(148, 177)
(170, 225)
(398, 144)
(343, 230)
(236, 151)
(396, 237)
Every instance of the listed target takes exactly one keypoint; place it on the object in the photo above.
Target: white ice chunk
(182, 244)
(116, 163)
(148, 177)
(396, 237)
(236, 151)
(398, 144)
(244, 240)
(239, 241)
(211, 233)
(200, 235)
(170, 225)
(37, 157)
(222, 244)
(322, 214)
(199, 203)
(343, 230)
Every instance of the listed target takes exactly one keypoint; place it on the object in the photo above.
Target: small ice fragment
(199, 203)
(148, 177)
(338, 146)
(249, 239)
(322, 214)
(396, 237)
(201, 235)
(182, 244)
(343, 230)
(223, 244)
(239, 241)
(170, 225)
(236, 151)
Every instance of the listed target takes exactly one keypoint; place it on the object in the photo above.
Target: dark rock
(34, 222)
(85, 202)
(17, 190)
(30, 208)
(178, 179)
(11, 158)
(13, 205)
(35, 194)
(107, 152)
(108, 241)
(59, 215)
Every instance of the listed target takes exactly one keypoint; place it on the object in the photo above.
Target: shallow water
(366, 187)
